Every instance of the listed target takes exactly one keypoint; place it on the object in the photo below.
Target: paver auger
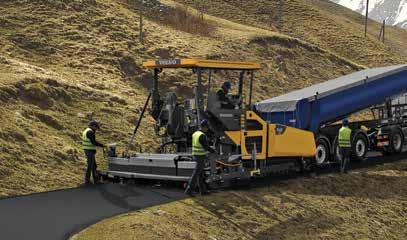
(246, 144)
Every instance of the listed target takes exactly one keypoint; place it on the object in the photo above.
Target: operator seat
(230, 118)
(213, 101)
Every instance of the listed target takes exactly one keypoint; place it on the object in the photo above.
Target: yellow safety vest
(344, 137)
(86, 143)
(197, 148)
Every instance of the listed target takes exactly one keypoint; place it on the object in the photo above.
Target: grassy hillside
(366, 204)
(321, 23)
(395, 37)
(63, 61)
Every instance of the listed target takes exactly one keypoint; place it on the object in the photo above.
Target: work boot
(85, 184)
(313, 174)
(96, 180)
(342, 167)
(207, 192)
(189, 192)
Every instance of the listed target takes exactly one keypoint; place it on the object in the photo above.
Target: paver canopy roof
(195, 63)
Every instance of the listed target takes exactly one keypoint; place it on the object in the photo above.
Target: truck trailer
(318, 107)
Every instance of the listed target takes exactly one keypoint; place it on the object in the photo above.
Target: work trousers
(197, 176)
(91, 166)
(345, 158)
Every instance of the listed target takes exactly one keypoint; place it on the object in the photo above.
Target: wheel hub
(321, 154)
(360, 148)
(397, 141)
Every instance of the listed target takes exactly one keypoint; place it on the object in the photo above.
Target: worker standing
(89, 145)
(344, 142)
(223, 97)
(200, 149)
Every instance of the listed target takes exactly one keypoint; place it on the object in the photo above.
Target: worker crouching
(344, 142)
(89, 145)
(200, 150)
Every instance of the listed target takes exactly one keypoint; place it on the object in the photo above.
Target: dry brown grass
(178, 17)
(320, 23)
(182, 19)
(395, 37)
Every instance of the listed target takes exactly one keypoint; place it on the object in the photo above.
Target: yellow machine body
(290, 142)
(271, 140)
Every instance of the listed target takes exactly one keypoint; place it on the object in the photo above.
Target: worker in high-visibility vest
(223, 96)
(89, 145)
(200, 150)
(345, 144)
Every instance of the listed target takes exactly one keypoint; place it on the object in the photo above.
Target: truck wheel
(322, 151)
(396, 141)
(359, 148)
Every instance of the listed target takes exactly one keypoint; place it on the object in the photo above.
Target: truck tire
(396, 141)
(322, 151)
(360, 147)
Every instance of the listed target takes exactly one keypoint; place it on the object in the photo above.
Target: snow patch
(402, 13)
(394, 11)
(352, 4)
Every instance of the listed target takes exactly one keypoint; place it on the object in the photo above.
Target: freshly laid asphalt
(59, 214)
(56, 215)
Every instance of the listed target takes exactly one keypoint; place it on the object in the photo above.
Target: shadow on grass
(295, 227)
(298, 219)
(363, 185)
